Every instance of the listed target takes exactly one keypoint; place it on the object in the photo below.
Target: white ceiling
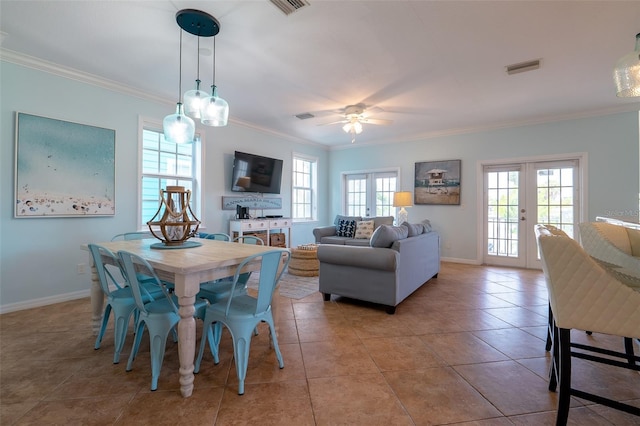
(433, 67)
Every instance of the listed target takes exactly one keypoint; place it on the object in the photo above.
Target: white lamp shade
(626, 73)
(194, 100)
(402, 199)
(178, 128)
(215, 111)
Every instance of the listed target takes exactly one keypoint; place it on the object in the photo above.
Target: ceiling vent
(304, 116)
(289, 6)
(523, 67)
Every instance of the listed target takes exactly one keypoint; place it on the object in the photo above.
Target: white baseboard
(50, 300)
(456, 260)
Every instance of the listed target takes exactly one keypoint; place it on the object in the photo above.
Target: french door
(370, 194)
(518, 196)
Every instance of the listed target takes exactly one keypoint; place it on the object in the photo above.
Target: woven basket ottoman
(304, 261)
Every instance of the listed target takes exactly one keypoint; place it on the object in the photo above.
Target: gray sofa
(328, 234)
(383, 275)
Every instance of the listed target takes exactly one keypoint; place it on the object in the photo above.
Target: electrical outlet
(81, 268)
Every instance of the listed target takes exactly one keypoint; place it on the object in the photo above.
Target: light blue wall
(610, 141)
(39, 256)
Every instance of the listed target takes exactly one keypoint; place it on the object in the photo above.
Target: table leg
(186, 333)
(97, 301)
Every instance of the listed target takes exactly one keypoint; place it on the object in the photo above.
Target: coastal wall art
(437, 182)
(63, 169)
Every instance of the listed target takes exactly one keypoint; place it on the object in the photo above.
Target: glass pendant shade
(215, 111)
(626, 73)
(194, 101)
(178, 128)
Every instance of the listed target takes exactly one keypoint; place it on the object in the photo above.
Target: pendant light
(216, 110)
(193, 99)
(178, 128)
(626, 73)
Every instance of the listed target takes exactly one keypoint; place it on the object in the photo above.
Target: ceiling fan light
(626, 73)
(353, 127)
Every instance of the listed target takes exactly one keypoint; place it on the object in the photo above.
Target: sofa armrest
(382, 259)
(324, 231)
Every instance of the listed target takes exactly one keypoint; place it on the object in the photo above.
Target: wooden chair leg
(564, 398)
(628, 349)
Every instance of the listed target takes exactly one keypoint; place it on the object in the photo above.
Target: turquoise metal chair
(133, 236)
(159, 315)
(220, 236)
(118, 295)
(217, 290)
(241, 314)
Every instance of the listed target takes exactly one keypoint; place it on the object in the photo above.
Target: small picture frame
(437, 182)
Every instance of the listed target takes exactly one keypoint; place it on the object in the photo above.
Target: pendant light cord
(180, 72)
(198, 69)
(214, 62)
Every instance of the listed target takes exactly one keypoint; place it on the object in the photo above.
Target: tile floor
(467, 348)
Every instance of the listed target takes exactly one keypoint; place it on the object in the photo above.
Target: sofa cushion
(364, 229)
(339, 217)
(382, 220)
(413, 228)
(362, 242)
(385, 235)
(346, 228)
(332, 239)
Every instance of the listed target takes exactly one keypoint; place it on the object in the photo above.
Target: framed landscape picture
(63, 169)
(437, 182)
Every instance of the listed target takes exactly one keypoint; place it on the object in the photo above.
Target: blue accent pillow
(346, 228)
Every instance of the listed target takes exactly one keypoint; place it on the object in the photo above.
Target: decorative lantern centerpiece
(174, 222)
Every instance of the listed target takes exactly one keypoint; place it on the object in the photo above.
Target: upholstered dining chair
(158, 314)
(118, 297)
(584, 295)
(241, 313)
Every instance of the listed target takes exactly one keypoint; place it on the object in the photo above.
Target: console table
(238, 227)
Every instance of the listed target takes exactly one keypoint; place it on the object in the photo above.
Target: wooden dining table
(187, 268)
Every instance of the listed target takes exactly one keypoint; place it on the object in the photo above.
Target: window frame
(196, 168)
(313, 188)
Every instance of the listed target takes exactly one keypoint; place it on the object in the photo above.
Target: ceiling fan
(355, 116)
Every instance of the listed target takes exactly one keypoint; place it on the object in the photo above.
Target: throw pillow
(634, 240)
(339, 217)
(346, 228)
(385, 235)
(364, 229)
(427, 225)
(414, 229)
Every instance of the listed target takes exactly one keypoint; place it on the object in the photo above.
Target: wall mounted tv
(254, 173)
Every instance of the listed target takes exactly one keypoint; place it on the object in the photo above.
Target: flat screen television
(254, 173)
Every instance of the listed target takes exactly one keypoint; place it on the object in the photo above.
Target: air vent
(523, 67)
(304, 116)
(289, 6)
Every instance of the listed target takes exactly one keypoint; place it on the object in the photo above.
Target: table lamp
(402, 199)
